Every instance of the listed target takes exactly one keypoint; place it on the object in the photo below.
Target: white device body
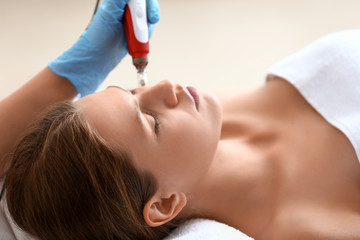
(139, 20)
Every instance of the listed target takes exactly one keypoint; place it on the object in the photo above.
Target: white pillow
(195, 229)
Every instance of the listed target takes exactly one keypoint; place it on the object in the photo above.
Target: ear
(161, 209)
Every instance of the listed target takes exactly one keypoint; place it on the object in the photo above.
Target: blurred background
(210, 44)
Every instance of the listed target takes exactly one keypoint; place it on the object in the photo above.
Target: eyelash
(156, 118)
(157, 121)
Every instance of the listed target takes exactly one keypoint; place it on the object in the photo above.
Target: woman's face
(167, 132)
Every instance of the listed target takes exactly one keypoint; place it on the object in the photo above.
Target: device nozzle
(142, 78)
(140, 64)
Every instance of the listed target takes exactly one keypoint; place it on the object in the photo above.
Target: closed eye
(152, 114)
(157, 122)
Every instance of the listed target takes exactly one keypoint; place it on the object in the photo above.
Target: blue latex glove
(101, 47)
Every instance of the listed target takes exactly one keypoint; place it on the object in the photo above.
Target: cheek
(196, 134)
(191, 146)
(186, 146)
(191, 134)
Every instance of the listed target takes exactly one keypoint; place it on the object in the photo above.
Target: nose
(163, 92)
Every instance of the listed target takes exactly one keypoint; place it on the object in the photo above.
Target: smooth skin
(277, 171)
(292, 175)
(179, 154)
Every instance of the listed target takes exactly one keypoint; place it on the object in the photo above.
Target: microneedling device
(137, 36)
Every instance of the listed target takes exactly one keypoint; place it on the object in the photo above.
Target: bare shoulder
(276, 97)
(316, 224)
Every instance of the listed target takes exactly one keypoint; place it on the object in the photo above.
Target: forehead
(110, 112)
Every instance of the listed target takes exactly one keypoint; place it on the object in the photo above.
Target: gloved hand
(101, 47)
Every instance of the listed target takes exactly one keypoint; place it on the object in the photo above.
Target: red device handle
(135, 47)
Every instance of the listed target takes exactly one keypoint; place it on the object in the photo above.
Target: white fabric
(8, 229)
(6, 232)
(327, 74)
(17, 233)
(207, 230)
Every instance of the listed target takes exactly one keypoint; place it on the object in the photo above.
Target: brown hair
(66, 182)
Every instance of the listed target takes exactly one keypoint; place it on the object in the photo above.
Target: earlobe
(162, 209)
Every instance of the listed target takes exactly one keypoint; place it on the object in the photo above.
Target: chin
(213, 115)
(215, 108)
(211, 99)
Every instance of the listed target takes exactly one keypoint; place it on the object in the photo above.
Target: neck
(237, 184)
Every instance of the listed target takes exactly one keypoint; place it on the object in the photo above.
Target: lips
(194, 93)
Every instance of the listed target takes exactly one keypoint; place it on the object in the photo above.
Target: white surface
(205, 229)
(205, 43)
(139, 21)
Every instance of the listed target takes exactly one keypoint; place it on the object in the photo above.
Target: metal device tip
(140, 64)
(142, 78)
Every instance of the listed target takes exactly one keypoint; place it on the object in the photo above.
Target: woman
(123, 164)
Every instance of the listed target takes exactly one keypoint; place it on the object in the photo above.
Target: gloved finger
(153, 11)
(120, 3)
(112, 10)
(151, 28)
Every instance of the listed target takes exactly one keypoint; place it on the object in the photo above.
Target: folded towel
(195, 229)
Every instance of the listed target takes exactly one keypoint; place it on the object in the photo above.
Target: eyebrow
(136, 107)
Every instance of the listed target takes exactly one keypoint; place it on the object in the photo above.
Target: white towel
(197, 229)
(17, 233)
